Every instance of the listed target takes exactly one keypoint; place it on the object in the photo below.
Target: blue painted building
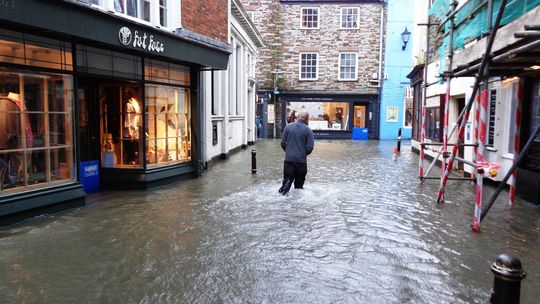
(396, 104)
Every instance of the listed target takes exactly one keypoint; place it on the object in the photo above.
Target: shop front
(119, 98)
(332, 116)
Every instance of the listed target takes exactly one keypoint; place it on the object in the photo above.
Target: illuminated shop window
(167, 125)
(322, 115)
(36, 130)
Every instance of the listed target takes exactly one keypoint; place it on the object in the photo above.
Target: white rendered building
(230, 96)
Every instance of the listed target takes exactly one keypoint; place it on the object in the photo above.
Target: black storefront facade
(333, 115)
(86, 95)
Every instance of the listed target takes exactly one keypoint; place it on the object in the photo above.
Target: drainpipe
(381, 45)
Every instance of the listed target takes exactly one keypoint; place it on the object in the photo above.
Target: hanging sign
(140, 40)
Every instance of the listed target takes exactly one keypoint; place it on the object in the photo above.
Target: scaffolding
(460, 25)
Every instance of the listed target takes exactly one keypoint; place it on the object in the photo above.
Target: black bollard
(253, 161)
(507, 280)
(399, 140)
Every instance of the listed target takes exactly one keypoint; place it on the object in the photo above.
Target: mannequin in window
(132, 120)
(12, 164)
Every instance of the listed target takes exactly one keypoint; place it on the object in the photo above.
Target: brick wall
(279, 25)
(208, 18)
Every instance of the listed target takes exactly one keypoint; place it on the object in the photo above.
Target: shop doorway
(359, 116)
(110, 123)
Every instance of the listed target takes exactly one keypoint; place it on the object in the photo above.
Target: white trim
(300, 67)
(357, 18)
(355, 67)
(302, 15)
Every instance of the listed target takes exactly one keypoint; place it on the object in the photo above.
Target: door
(87, 96)
(359, 116)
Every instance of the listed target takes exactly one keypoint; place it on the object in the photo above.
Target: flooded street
(364, 230)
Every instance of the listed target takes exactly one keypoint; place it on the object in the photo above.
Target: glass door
(359, 116)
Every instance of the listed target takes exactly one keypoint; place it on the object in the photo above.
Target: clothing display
(12, 110)
(132, 119)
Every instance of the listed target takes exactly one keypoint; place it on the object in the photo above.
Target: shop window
(310, 17)
(103, 62)
(408, 107)
(121, 126)
(322, 115)
(167, 73)
(308, 66)
(30, 50)
(36, 146)
(167, 125)
(433, 121)
(348, 66)
(349, 17)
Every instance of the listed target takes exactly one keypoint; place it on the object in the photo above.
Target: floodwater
(364, 230)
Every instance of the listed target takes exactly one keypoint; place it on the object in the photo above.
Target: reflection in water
(363, 231)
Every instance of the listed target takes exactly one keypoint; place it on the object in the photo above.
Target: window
(308, 66)
(348, 66)
(25, 49)
(433, 121)
(36, 139)
(163, 12)
(349, 18)
(408, 107)
(168, 113)
(135, 8)
(310, 18)
(322, 115)
(167, 125)
(251, 15)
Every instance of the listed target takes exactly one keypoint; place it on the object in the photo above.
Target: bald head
(303, 115)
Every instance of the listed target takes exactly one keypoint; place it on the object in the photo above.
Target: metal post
(507, 281)
(253, 161)
(517, 132)
(399, 140)
(481, 76)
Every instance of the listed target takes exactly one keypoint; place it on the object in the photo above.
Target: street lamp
(405, 38)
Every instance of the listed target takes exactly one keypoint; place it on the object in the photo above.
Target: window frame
(318, 21)
(355, 67)
(341, 15)
(316, 66)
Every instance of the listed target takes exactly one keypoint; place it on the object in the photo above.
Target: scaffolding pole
(517, 131)
(480, 77)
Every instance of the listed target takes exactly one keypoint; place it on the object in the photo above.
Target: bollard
(507, 280)
(399, 140)
(253, 161)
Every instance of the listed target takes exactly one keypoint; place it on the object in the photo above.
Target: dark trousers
(293, 172)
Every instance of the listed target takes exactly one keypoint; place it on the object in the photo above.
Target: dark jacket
(297, 141)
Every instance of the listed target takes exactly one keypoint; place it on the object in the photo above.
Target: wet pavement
(364, 230)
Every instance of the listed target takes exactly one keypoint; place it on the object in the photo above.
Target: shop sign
(271, 117)
(140, 40)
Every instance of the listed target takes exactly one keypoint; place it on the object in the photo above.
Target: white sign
(140, 40)
(271, 118)
(391, 114)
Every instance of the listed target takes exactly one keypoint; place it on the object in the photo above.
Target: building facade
(102, 93)
(396, 97)
(510, 88)
(230, 95)
(324, 57)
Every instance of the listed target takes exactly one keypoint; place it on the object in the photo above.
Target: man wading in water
(297, 142)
